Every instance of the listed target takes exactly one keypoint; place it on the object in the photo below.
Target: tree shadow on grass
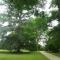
(10, 52)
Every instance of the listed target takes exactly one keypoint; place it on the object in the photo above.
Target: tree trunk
(17, 50)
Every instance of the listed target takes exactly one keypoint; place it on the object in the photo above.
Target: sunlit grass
(30, 56)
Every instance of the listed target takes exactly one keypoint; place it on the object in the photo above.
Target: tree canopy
(26, 32)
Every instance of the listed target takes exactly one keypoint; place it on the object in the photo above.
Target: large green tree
(26, 34)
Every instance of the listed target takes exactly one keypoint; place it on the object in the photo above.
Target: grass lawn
(31, 56)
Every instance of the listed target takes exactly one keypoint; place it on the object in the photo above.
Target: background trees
(53, 43)
(25, 32)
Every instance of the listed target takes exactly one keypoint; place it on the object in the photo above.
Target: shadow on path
(50, 56)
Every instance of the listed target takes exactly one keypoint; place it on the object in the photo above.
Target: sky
(3, 8)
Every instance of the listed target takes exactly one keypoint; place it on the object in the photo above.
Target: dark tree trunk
(18, 50)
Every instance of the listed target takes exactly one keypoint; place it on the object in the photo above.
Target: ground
(30, 56)
(50, 56)
(57, 54)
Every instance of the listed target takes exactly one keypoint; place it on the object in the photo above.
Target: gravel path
(50, 56)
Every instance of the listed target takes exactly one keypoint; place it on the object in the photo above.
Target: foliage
(53, 43)
(24, 36)
(21, 4)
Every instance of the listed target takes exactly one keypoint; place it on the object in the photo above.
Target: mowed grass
(30, 56)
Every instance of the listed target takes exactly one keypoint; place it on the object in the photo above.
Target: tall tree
(27, 31)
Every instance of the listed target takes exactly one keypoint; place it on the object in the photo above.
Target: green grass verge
(30, 56)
